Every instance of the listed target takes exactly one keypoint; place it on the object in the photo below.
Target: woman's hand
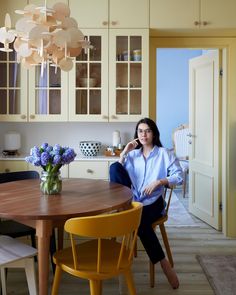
(150, 188)
(129, 147)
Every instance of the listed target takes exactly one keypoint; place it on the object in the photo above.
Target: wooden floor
(185, 243)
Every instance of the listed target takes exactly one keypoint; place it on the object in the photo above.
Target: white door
(204, 138)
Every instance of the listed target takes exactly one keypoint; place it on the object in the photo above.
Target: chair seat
(13, 250)
(160, 220)
(15, 229)
(88, 260)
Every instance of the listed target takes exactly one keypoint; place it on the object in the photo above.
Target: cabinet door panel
(174, 14)
(218, 14)
(12, 166)
(88, 91)
(88, 169)
(128, 63)
(90, 13)
(129, 14)
(48, 100)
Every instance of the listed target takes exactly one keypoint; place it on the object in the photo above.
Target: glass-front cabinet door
(13, 88)
(128, 74)
(88, 80)
(48, 96)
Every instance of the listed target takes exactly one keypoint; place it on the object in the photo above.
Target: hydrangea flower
(50, 158)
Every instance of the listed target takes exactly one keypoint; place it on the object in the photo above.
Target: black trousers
(150, 214)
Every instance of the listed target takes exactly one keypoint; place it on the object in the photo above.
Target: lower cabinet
(89, 169)
(77, 169)
(12, 166)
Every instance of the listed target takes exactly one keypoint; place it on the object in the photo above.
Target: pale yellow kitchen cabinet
(111, 13)
(191, 14)
(25, 95)
(89, 169)
(88, 80)
(128, 74)
(109, 82)
(13, 165)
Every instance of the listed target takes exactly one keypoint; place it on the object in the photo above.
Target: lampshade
(44, 35)
(12, 141)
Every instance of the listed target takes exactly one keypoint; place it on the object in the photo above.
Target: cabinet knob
(114, 23)
(205, 23)
(104, 117)
(90, 171)
(32, 116)
(23, 117)
(105, 23)
(196, 23)
(7, 170)
(113, 117)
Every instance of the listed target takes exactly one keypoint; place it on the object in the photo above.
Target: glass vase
(50, 183)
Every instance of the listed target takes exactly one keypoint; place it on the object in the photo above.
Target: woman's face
(145, 134)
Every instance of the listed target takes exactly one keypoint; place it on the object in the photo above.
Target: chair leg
(56, 281)
(130, 282)
(152, 274)
(3, 281)
(166, 243)
(95, 287)
(31, 276)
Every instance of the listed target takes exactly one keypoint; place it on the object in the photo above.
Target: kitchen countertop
(78, 158)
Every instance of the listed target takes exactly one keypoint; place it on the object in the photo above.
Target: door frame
(224, 44)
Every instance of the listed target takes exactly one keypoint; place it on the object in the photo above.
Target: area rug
(178, 215)
(220, 271)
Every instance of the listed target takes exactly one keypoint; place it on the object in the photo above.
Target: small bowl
(87, 82)
(90, 148)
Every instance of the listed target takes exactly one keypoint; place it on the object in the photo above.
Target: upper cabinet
(88, 80)
(128, 68)
(48, 99)
(189, 14)
(13, 89)
(111, 13)
(109, 81)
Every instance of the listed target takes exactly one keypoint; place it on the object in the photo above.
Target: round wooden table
(23, 201)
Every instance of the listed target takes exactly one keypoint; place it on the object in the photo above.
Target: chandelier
(44, 35)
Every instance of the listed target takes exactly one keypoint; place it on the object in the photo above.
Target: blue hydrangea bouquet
(51, 159)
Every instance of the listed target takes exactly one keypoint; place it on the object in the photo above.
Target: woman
(146, 167)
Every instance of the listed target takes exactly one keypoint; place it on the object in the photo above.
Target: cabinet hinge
(221, 72)
(220, 206)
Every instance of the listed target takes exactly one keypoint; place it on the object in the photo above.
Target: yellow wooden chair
(108, 252)
(161, 223)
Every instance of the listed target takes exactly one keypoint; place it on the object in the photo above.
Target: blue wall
(172, 90)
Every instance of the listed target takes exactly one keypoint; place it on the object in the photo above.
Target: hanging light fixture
(44, 35)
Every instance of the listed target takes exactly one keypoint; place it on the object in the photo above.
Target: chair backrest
(180, 141)
(19, 175)
(121, 225)
(167, 197)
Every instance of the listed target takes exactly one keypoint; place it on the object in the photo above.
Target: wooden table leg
(43, 232)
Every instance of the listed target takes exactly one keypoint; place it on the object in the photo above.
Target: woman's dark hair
(152, 125)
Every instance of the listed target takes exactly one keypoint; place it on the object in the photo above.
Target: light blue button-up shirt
(161, 163)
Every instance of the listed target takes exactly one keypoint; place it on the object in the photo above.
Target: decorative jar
(50, 183)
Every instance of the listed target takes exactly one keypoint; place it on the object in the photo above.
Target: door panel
(204, 138)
